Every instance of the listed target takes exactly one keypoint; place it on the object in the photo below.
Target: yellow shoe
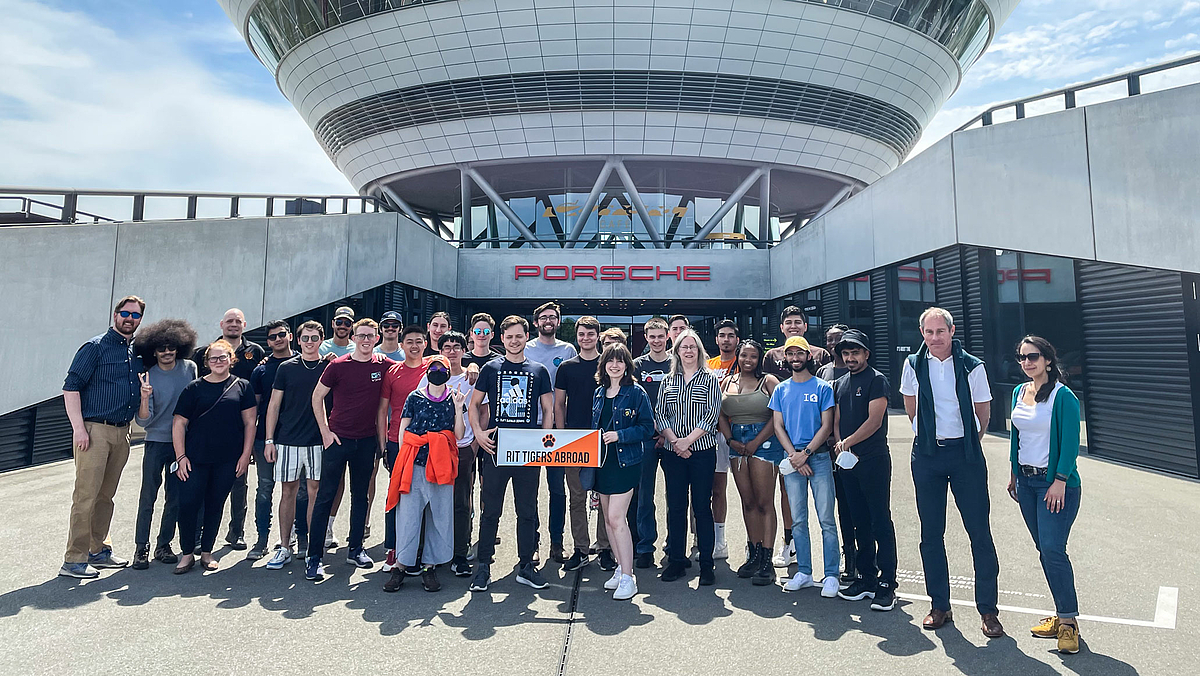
(1068, 639)
(1047, 629)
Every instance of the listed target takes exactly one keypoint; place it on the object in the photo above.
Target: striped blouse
(686, 406)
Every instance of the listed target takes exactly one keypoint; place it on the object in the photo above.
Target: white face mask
(847, 460)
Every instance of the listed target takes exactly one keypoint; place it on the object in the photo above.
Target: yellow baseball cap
(797, 341)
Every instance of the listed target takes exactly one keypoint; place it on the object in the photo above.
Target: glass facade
(276, 26)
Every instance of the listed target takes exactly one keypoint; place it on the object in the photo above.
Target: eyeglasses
(277, 336)
(1029, 356)
(310, 339)
(343, 322)
(364, 336)
(219, 359)
(546, 318)
(390, 326)
(482, 332)
(126, 314)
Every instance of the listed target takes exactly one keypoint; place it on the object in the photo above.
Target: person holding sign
(621, 408)
(520, 392)
(689, 401)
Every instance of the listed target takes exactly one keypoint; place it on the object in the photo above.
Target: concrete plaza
(1133, 546)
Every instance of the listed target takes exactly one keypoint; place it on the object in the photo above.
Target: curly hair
(175, 333)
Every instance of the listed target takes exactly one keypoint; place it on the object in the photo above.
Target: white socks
(719, 528)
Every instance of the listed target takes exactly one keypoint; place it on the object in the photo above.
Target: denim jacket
(632, 420)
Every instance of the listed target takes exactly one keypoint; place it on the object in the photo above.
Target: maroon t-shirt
(355, 387)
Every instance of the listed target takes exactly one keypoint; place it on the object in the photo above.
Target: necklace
(304, 363)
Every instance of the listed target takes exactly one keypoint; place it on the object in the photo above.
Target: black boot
(747, 569)
(766, 572)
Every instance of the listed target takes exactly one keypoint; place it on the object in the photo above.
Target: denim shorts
(770, 450)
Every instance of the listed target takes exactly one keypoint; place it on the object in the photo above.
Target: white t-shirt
(1033, 423)
(945, 400)
(458, 382)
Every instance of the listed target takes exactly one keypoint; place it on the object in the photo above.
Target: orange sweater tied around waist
(441, 467)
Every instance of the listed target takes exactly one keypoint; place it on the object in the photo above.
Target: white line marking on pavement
(1164, 612)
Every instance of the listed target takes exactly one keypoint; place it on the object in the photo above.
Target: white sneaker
(281, 558)
(785, 557)
(800, 581)
(614, 581)
(626, 589)
(829, 587)
(721, 550)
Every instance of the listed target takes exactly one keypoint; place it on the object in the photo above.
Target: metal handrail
(1132, 78)
(70, 213)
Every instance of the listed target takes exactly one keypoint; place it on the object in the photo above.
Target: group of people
(428, 401)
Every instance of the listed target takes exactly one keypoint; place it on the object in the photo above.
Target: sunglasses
(126, 314)
(1029, 356)
(168, 348)
(343, 322)
(277, 336)
(390, 326)
(482, 332)
(310, 339)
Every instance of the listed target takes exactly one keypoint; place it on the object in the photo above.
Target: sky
(127, 94)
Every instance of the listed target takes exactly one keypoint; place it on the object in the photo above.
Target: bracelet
(177, 459)
(269, 441)
(1061, 477)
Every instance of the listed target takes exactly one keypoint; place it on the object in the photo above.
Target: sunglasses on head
(1029, 356)
(126, 314)
(277, 336)
(310, 339)
(343, 322)
(482, 332)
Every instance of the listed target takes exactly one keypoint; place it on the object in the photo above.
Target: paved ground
(1134, 549)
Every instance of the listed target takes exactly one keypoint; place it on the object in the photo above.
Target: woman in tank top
(754, 454)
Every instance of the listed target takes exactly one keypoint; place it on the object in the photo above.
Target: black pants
(390, 450)
(359, 454)
(157, 457)
(464, 485)
(869, 491)
(206, 489)
(845, 517)
(525, 483)
(695, 475)
(965, 476)
(238, 508)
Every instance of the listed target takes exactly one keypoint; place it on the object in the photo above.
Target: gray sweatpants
(439, 522)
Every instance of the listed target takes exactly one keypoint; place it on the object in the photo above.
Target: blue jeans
(966, 477)
(647, 527)
(770, 450)
(821, 483)
(1050, 532)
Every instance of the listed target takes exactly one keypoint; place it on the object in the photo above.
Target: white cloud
(85, 107)
(1181, 41)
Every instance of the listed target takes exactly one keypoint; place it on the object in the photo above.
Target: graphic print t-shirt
(514, 390)
(649, 374)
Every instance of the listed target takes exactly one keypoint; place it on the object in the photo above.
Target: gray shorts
(292, 462)
(439, 522)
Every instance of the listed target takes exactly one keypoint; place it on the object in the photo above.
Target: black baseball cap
(854, 338)
(391, 315)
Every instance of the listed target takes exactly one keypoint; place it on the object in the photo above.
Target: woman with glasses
(621, 408)
(1044, 446)
(754, 453)
(689, 402)
(213, 435)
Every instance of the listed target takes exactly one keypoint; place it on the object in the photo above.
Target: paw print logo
(548, 440)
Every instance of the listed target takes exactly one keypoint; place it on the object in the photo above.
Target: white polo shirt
(945, 400)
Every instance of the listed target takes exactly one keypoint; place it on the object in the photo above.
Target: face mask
(437, 376)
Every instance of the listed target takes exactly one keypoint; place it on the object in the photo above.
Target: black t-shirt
(296, 378)
(577, 377)
(854, 393)
(215, 432)
(260, 381)
(649, 374)
(471, 358)
(514, 389)
(248, 356)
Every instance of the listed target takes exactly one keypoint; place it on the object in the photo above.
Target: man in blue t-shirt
(803, 416)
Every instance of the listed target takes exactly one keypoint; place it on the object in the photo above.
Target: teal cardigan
(1064, 436)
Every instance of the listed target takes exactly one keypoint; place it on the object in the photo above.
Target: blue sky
(166, 95)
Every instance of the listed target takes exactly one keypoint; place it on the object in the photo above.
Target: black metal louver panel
(831, 308)
(52, 432)
(948, 286)
(16, 435)
(1139, 400)
(973, 300)
(881, 326)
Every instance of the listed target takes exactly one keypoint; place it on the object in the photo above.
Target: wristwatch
(270, 442)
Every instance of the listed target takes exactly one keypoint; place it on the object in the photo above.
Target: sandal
(184, 567)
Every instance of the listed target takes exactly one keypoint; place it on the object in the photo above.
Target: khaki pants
(577, 506)
(97, 472)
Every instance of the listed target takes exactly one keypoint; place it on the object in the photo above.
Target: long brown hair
(619, 352)
(1054, 373)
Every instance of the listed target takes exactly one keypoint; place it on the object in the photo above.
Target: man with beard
(830, 373)
(339, 344)
(101, 395)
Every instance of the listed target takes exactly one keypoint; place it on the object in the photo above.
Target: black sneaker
(238, 543)
(885, 596)
(644, 560)
(460, 567)
(529, 576)
(141, 558)
(607, 562)
(429, 579)
(395, 581)
(861, 589)
(847, 578)
(673, 571)
(708, 577)
(165, 554)
(483, 577)
(578, 560)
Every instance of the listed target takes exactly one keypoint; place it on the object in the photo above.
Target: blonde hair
(224, 345)
(702, 356)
